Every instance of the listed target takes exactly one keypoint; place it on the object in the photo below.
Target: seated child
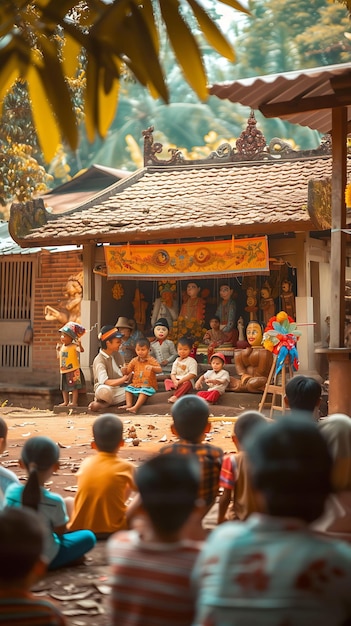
(183, 372)
(303, 393)
(150, 573)
(6, 476)
(21, 566)
(190, 423)
(214, 337)
(271, 569)
(216, 379)
(40, 457)
(163, 349)
(104, 482)
(143, 384)
(234, 477)
(336, 518)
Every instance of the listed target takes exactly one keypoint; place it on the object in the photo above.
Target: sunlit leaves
(114, 35)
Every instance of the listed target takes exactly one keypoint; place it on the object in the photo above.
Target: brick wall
(55, 269)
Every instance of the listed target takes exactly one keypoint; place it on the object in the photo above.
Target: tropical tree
(122, 33)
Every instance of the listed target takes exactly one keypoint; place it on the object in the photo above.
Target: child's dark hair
(215, 317)
(21, 543)
(3, 429)
(168, 485)
(245, 422)
(185, 341)
(303, 393)
(190, 416)
(108, 432)
(291, 466)
(142, 342)
(38, 454)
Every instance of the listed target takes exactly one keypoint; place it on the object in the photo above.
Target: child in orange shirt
(144, 383)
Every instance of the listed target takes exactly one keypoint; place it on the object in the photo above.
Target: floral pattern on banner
(280, 337)
(208, 258)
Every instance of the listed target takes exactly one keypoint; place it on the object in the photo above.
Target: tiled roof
(158, 203)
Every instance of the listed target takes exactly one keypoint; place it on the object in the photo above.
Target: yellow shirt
(104, 483)
(69, 358)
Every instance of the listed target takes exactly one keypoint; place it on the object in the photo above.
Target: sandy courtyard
(82, 592)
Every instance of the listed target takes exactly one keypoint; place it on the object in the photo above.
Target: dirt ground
(81, 592)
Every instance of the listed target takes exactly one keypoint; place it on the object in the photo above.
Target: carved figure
(252, 364)
(163, 349)
(194, 306)
(267, 305)
(140, 305)
(288, 298)
(73, 294)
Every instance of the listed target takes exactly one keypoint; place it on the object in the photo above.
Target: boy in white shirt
(216, 379)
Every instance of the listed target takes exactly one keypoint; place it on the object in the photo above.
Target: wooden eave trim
(158, 234)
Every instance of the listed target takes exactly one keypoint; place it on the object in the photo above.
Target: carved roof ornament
(151, 149)
(251, 141)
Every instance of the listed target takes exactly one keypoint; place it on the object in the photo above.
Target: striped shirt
(150, 581)
(25, 609)
(210, 458)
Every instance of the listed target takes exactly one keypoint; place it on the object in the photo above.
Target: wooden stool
(275, 389)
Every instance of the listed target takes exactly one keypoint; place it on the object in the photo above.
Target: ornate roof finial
(251, 140)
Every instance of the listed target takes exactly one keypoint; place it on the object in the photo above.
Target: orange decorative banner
(197, 259)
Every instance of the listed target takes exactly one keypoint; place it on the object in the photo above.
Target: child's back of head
(39, 454)
(108, 432)
(21, 544)
(190, 416)
(168, 486)
(290, 466)
(303, 393)
(245, 423)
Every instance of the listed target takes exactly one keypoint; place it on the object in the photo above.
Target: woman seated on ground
(336, 520)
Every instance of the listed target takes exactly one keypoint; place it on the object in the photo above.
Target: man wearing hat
(109, 382)
(127, 348)
(163, 349)
(217, 379)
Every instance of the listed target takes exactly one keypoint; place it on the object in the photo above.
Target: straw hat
(123, 322)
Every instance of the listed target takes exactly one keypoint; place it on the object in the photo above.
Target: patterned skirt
(72, 380)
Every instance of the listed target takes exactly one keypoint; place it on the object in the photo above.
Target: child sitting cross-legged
(217, 379)
(21, 565)
(40, 458)
(104, 482)
(144, 384)
(190, 423)
(150, 570)
(271, 569)
(6, 476)
(183, 372)
(234, 477)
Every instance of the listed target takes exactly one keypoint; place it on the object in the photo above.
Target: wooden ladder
(275, 389)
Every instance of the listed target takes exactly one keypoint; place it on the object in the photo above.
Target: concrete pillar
(89, 314)
(305, 345)
(339, 380)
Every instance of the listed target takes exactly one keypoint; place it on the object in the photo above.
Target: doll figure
(163, 349)
(214, 337)
(267, 305)
(193, 308)
(165, 306)
(288, 299)
(251, 302)
(252, 364)
(226, 312)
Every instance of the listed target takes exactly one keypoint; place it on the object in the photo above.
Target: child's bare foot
(72, 404)
(125, 406)
(172, 399)
(63, 404)
(131, 409)
(97, 406)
